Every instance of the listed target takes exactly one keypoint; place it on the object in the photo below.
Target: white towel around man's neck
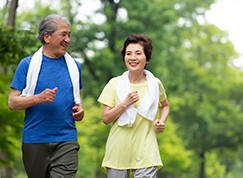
(34, 70)
(147, 107)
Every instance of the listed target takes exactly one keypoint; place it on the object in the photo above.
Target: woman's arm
(163, 112)
(111, 114)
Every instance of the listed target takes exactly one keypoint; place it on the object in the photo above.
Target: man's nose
(67, 39)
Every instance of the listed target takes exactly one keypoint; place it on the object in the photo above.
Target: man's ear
(47, 37)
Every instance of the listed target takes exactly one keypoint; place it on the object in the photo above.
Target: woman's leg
(115, 173)
(149, 172)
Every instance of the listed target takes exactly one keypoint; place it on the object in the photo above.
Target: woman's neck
(137, 77)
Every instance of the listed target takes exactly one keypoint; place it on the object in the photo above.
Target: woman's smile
(135, 58)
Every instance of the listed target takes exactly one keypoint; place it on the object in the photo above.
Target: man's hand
(47, 96)
(78, 114)
(160, 126)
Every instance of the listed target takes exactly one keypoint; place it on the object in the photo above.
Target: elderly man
(47, 86)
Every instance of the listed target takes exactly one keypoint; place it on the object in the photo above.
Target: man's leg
(115, 173)
(36, 160)
(64, 159)
(149, 172)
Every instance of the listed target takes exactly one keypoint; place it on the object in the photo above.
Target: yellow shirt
(133, 147)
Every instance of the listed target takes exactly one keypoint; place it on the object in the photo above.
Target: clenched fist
(160, 126)
(132, 97)
(47, 96)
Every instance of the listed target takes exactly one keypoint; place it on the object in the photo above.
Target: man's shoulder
(27, 59)
(77, 62)
(25, 62)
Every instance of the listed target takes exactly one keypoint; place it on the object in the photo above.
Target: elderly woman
(131, 102)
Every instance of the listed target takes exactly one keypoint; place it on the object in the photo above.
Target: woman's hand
(160, 126)
(131, 98)
(111, 114)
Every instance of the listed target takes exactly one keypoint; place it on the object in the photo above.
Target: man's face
(57, 43)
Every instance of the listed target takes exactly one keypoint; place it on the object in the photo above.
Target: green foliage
(39, 11)
(15, 45)
(11, 124)
(174, 155)
(211, 115)
(214, 168)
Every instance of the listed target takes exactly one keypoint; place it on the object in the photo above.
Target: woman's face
(135, 58)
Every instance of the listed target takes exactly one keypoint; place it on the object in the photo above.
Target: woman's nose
(133, 57)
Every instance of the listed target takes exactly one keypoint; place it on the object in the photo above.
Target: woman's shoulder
(158, 80)
(115, 79)
(113, 82)
(160, 83)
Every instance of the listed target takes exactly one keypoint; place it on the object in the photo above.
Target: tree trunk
(6, 172)
(12, 14)
(202, 165)
(94, 174)
(3, 70)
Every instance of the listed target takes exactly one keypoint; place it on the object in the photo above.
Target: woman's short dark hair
(141, 39)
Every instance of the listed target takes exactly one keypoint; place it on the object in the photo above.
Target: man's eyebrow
(66, 32)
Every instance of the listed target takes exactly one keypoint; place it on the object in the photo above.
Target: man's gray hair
(50, 24)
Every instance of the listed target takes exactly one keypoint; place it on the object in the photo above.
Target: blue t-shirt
(52, 122)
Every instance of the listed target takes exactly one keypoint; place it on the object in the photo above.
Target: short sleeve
(80, 77)
(19, 79)
(162, 94)
(109, 95)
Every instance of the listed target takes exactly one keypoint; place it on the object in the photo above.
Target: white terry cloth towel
(147, 107)
(34, 70)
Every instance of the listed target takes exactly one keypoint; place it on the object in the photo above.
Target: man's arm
(17, 102)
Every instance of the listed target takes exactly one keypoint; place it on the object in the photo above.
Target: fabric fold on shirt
(147, 107)
(34, 70)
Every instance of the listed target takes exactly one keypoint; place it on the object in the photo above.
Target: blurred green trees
(203, 135)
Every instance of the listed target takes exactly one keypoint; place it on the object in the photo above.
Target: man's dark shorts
(45, 160)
